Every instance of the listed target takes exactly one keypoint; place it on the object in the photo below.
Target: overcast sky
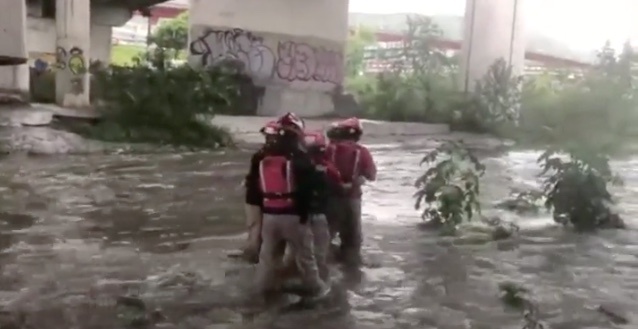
(581, 24)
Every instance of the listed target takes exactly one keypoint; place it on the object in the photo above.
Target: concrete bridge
(293, 48)
(76, 31)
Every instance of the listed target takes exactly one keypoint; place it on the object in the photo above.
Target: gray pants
(287, 228)
(321, 234)
(321, 244)
(253, 226)
(344, 218)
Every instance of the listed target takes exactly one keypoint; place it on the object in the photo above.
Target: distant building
(381, 56)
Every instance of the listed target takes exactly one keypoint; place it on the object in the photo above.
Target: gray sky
(581, 24)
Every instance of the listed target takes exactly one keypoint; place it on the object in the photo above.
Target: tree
(449, 187)
(577, 188)
(172, 34)
(626, 65)
(355, 50)
(606, 58)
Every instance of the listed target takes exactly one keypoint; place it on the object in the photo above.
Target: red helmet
(315, 139)
(292, 121)
(271, 128)
(353, 125)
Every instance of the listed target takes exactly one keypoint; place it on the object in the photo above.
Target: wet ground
(80, 233)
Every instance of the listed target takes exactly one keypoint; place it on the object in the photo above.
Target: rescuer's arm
(253, 191)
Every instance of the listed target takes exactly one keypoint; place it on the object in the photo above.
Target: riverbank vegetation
(421, 83)
(449, 188)
(156, 102)
(149, 94)
(160, 100)
(579, 118)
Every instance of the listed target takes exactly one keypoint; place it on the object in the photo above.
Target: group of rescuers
(303, 189)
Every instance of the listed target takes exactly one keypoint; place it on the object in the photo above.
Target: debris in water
(616, 316)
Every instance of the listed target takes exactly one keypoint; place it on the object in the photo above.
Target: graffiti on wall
(74, 61)
(217, 46)
(288, 61)
(300, 61)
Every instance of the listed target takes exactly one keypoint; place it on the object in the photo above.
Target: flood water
(80, 232)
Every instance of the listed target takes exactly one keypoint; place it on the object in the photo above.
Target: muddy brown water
(80, 232)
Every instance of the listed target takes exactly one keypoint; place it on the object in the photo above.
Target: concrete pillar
(295, 49)
(73, 27)
(14, 74)
(101, 42)
(493, 29)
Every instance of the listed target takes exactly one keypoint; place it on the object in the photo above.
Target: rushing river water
(80, 231)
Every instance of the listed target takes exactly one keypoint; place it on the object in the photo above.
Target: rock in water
(614, 313)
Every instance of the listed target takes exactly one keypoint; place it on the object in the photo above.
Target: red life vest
(277, 182)
(346, 156)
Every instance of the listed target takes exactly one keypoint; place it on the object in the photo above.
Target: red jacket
(331, 170)
(353, 160)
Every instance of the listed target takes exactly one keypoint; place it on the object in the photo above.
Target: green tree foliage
(493, 106)
(172, 35)
(355, 50)
(450, 186)
(596, 107)
(155, 102)
(597, 104)
(420, 80)
(579, 119)
(576, 188)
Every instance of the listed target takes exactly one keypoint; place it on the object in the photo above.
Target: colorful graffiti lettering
(292, 61)
(217, 46)
(74, 61)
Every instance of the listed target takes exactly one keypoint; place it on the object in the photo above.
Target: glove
(361, 180)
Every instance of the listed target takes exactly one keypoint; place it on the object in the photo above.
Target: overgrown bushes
(449, 188)
(417, 86)
(153, 101)
(575, 188)
(597, 108)
(598, 104)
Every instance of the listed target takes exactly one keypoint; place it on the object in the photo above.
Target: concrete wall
(14, 79)
(42, 36)
(293, 48)
(41, 40)
(47, 50)
(493, 29)
(12, 32)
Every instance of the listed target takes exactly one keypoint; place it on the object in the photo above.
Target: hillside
(452, 27)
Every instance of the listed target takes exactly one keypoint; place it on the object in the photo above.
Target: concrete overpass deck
(130, 4)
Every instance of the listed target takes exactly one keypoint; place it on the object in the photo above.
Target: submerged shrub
(576, 188)
(450, 186)
(518, 298)
(154, 101)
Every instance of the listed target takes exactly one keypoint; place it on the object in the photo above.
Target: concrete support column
(101, 43)
(73, 27)
(294, 49)
(494, 29)
(14, 74)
